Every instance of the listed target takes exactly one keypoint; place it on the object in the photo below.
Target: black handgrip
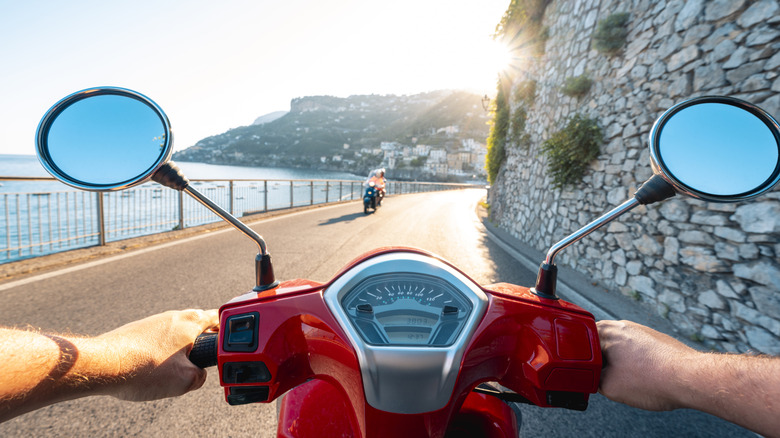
(204, 350)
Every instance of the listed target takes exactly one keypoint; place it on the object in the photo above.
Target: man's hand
(649, 370)
(639, 363)
(153, 353)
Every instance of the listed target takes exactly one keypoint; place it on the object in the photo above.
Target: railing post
(327, 191)
(230, 191)
(265, 195)
(340, 192)
(311, 192)
(291, 194)
(101, 220)
(181, 209)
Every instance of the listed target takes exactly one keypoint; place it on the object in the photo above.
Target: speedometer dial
(406, 309)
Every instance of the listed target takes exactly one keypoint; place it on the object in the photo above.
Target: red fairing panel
(534, 346)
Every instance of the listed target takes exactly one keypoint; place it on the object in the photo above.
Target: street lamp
(485, 102)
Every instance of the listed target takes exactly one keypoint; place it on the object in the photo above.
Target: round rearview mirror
(717, 149)
(104, 139)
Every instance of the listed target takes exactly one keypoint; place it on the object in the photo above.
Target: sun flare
(497, 57)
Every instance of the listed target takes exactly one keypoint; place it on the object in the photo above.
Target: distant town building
(422, 150)
(438, 156)
(449, 130)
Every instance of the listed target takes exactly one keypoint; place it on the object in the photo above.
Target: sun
(488, 60)
(498, 57)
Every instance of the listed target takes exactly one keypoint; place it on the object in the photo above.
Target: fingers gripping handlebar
(204, 350)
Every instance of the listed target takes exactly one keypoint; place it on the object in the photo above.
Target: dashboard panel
(406, 309)
(409, 317)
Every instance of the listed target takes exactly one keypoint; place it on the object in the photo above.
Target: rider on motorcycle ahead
(378, 178)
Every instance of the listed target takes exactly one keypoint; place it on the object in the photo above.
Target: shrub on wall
(611, 33)
(521, 30)
(570, 150)
(499, 128)
(577, 86)
(521, 25)
(524, 96)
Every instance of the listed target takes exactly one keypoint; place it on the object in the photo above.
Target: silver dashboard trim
(407, 379)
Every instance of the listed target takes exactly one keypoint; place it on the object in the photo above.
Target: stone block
(673, 300)
(712, 300)
(762, 272)
(758, 217)
(695, 34)
(723, 50)
(708, 218)
(744, 71)
(648, 246)
(748, 251)
(720, 9)
(730, 234)
(670, 46)
(643, 285)
(634, 267)
(696, 237)
(621, 276)
(737, 58)
(762, 340)
(675, 210)
(702, 259)
(688, 15)
(725, 290)
(767, 300)
(672, 250)
(681, 58)
(761, 36)
(757, 13)
(710, 332)
(727, 251)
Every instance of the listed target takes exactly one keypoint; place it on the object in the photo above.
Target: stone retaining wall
(712, 269)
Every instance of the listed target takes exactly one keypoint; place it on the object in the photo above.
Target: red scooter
(401, 342)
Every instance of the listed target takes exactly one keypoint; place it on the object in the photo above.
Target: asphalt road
(208, 270)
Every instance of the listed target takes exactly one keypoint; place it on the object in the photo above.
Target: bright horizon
(216, 66)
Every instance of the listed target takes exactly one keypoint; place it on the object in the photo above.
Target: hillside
(318, 128)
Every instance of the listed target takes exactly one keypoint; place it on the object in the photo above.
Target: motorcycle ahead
(400, 342)
(370, 198)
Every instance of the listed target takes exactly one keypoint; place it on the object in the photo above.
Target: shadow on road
(346, 218)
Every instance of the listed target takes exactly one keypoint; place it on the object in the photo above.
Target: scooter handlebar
(204, 350)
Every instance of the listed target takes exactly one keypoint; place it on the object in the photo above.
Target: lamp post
(486, 102)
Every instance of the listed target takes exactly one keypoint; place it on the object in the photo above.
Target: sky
(213, 66)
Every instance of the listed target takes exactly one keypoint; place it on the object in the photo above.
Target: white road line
(33, 279)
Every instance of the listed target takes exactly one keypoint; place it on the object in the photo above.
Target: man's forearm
(41, 369)
(742, 389)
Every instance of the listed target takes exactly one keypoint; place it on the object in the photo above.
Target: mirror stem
(547, 277)
(216, 209)
(171, 176)
(653, 190)
(591, 227)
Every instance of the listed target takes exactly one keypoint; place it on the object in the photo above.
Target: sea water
(42, 217)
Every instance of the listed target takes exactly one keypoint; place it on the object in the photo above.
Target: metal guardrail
(38, 223)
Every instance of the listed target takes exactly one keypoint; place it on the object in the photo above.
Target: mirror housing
(717, 149)
(104, 139)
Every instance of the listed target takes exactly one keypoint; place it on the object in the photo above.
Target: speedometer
(406, 309)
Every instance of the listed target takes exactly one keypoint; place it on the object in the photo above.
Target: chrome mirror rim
(659, 168)
(42, 149)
